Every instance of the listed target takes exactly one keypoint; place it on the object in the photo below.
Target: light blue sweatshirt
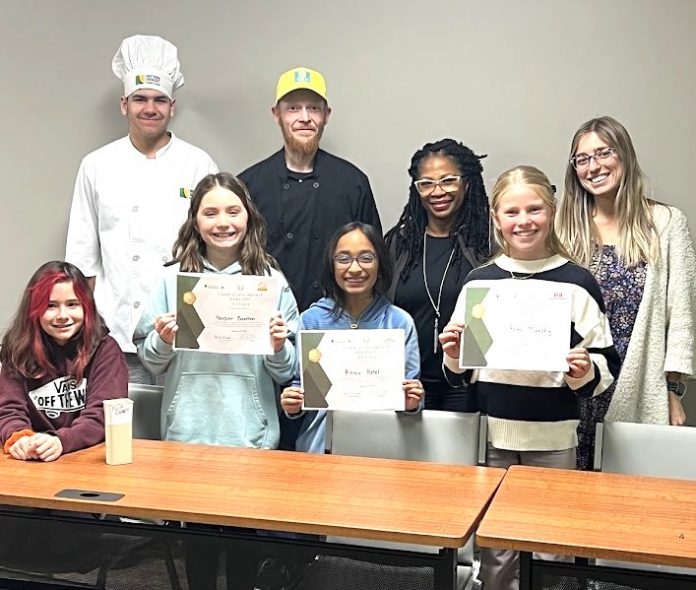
(219, 399)
(379, 314)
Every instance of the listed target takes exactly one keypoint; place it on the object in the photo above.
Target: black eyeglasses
(364, 260)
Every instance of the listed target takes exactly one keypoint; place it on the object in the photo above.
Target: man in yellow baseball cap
(305, 193)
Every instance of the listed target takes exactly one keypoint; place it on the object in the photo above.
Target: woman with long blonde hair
(641, 253)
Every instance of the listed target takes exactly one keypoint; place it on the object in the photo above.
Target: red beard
(304, 147)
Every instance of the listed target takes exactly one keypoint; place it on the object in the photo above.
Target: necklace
(521, 278)
(436, 308)
(355, 322)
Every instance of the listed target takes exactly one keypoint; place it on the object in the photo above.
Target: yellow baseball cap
(301, 78)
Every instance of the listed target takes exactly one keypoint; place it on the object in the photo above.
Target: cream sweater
(664, 332)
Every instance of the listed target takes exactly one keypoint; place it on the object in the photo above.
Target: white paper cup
(118, 427)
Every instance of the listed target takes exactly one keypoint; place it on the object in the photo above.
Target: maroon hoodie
(57, 404)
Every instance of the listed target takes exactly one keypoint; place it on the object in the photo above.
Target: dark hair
(384, 263)
(472, 221)
(189, 248)
(26, 347)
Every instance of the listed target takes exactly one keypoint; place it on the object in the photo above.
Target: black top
(411, 296)
(304, 210)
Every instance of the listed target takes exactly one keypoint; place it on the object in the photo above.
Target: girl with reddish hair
(58, 365)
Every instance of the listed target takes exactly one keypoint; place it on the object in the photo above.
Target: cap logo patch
(303, 77)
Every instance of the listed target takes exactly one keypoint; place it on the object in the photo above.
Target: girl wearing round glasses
(357, 272)
(642, 255)
(441, 235)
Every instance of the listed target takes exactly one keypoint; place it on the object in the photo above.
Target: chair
(147, 402)
(435, 436)
(32, 550)
(653, 450)
(646, 449)
(431, 435)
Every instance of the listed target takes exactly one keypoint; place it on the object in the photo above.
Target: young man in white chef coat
(132, 195)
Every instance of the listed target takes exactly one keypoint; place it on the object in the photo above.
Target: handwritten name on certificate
(352, 369)
(225, 313)
(516, 325)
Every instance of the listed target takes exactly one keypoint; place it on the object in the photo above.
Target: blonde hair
(637, 236)
(537, 181)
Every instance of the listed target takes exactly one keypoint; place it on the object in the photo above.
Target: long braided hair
(472, 220)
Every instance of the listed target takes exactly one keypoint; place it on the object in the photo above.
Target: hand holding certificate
(352, 369)
(225, 314)
(515, 325)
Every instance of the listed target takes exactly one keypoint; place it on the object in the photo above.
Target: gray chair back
(646, 449)
(431, 435)
(147, 403)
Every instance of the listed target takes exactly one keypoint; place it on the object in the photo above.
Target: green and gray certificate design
(515, 325)
(228, 314)
(352, 369)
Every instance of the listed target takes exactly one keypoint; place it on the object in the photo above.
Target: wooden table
(404, 501)
(594, 515)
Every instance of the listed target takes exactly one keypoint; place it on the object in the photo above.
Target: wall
(511, 79)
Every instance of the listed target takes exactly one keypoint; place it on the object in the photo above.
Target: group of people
(309, 218)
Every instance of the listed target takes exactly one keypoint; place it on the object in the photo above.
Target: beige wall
(511, 78)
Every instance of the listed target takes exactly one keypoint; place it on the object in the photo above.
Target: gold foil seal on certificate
(477, 311)
(189, 298)
(262, 287)
(314, 356)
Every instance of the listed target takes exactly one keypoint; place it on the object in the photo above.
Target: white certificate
(225, 313)
(516, 325)
(352, 369)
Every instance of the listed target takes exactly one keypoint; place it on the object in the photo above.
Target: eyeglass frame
(347, 264)
(609, 151)
(437, 183)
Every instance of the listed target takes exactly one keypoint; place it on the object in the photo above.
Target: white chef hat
(147, 61)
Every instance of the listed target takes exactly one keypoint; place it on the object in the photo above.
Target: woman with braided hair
(441, 235)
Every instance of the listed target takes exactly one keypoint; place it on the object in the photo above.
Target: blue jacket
(219, 399)
(380, 314)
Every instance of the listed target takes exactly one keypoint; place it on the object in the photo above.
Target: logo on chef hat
(147, 79)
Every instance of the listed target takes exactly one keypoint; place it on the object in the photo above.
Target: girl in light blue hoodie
(357, 272)
(219, 399)
(209, 398)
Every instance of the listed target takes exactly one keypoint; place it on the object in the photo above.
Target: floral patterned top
(622, 288)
